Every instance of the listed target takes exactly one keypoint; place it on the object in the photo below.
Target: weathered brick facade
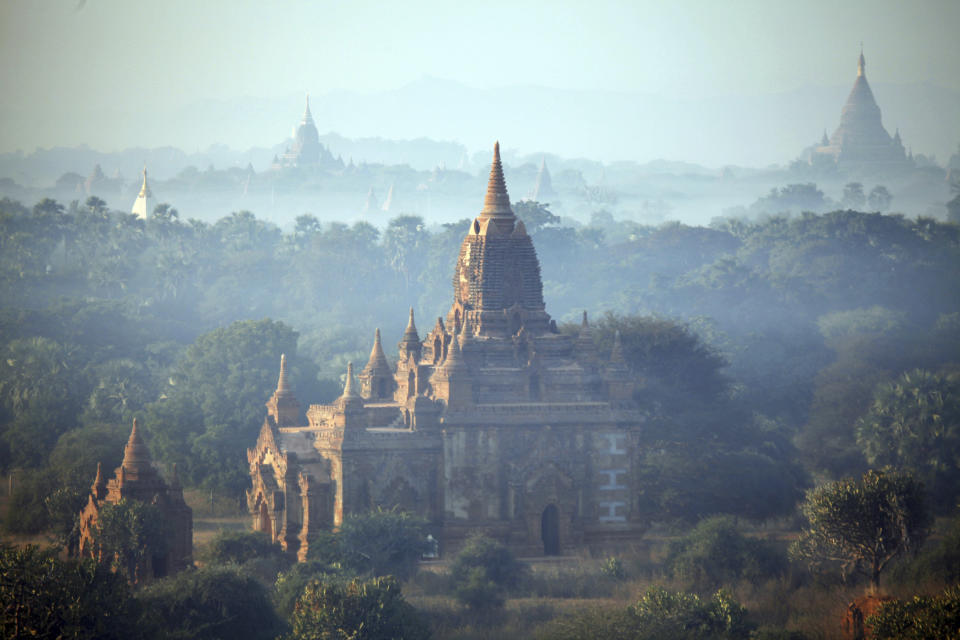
(493, 421)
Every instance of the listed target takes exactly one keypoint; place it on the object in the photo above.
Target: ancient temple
(491, 421)
(543, 187)
(143, 204)
(137, 479)
(861, 138)
(305, 149)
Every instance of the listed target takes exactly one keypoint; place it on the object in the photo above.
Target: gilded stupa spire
(144, 188)
(496, 203)
(861, 63)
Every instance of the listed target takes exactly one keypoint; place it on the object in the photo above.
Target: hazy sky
(65, 62)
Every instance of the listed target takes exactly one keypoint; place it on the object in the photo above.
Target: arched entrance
(264, 520)
(550, 530)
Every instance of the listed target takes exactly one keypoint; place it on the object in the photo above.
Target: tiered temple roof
(861, 137)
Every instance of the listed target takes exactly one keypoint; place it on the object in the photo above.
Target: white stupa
(144, 202)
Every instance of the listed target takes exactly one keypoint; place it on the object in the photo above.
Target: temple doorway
(550, 531)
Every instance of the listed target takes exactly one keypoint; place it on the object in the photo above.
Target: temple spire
(861, 63)
(348, 390)
(410, 333)
(141, 206)
(283, 385)
(377, 357)
(496, 203)
(136, 456)
(307, 116)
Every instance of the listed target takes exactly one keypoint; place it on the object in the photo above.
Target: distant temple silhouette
(305, 149)
(860, 140)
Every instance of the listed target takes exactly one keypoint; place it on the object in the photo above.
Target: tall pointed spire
(307, 116)
(283, 405)
(141, 206)
(99, 486)
(136, 457)
(377, 357)
(348, 391)
(410, 333)
(861, 63)
(283, 385)
(496, 203)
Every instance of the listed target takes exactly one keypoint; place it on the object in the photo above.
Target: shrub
(210, 603)
(613, 568)
(715, 553)
(482, 570)
(657, 615)
(498, 563)
(383, 543)
(918, 619)
(238, 547)
(357, 610)
(290, 584)
(45, 597)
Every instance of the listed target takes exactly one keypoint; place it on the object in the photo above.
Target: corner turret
(282, 405)
(376, 379)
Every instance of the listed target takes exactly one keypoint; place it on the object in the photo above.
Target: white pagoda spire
(141, 206)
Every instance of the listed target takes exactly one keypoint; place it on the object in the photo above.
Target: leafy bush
(658, 614)
(482, 571)
(238, 547)
(940, 563)
(383, 543)
(613, 567)
(290, 584)
(919, 619)
(357, 610)
(715, 552)
(497, 562)
(45, 597)
(210, 603)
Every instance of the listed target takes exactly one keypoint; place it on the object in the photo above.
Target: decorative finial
(862, 63)
(584, 324)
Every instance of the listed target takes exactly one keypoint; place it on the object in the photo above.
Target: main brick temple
(493, 421)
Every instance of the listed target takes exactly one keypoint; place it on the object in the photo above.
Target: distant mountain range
(435, 122)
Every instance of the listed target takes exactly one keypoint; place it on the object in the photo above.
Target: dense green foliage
(748, 336)
(125, 532)
(482, 571)
(658, 614)
(210, 603)
(381, 543)
(914, 423)
(358, 610)
(715, 553)
(862, 524)
(42, 596)
(921, 618)
(237, 547)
